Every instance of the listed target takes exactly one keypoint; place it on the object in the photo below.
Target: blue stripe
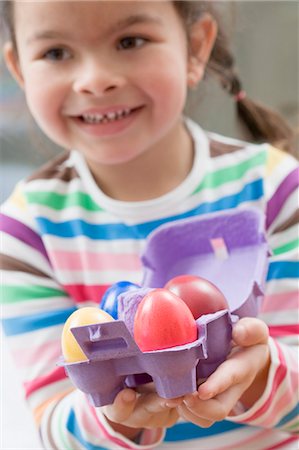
(292, 415)
(74, 429)
(72, 228)
(26, 324)
(187, 431)
(283, 269)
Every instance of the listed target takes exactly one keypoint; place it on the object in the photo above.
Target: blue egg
(109, 300)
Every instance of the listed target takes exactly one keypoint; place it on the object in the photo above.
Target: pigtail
(263, 124)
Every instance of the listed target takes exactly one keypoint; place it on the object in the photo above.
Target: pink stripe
(281, 405)
(56, 375)
(289, 184)
(280, 302)
(287, 397)
(81, 293)
(106, 433)
(279, 376)
(256, 437)
(283, 330)
(282, 444)
(51, 350)
(90, 426)
(64, 260)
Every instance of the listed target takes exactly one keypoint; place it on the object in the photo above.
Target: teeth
(105, 118)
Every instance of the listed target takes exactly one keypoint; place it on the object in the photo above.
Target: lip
(105, 129)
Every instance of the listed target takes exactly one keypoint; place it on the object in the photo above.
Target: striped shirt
(64, 242)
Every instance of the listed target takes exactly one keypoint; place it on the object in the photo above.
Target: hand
(143, 409)
(242, 376)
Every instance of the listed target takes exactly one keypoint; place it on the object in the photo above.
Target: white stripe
(23, 341)
(283, 317)
(25, 253)
(74, 213)
(284, 237)
(21, 215)
(281, 286)
(37, 306)
(84, 244)
(46, 392)
(97, 277)
(11, 278)
(284, 214)
(275, 178)
(56, 185)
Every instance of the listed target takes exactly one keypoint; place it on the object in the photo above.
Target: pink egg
(163, 321)
(199, 294)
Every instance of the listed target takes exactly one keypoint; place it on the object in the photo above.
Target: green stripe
(286, 247)
(228, 174)
(61, 431)
(15, 294)
(60, 201)
(293, 427)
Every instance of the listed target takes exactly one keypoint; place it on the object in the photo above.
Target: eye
(57, 54)
(131, 42)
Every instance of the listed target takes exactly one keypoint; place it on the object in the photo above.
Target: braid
(262, 123)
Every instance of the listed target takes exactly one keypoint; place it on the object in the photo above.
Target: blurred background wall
(265, 39)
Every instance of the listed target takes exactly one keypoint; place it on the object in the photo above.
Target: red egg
(162, 321)
(199, 294)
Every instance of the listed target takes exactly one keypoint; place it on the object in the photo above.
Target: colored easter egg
(109, 302)
(163, 321)
(199, 294)
(84, 316)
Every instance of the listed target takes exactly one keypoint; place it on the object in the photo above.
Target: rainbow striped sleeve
(35, 306)
(279, 407)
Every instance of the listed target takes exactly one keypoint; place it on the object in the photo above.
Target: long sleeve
(63, 243)
(278, 407)
(35, 306)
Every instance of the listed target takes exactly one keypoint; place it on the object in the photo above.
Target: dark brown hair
(263, 124)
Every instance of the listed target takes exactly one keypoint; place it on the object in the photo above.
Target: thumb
(250, 331)
(122, 407)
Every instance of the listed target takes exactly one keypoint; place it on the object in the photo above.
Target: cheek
(167, 85)
(44, 100)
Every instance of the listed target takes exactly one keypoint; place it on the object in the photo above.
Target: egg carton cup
(227, 248)
(115, 361)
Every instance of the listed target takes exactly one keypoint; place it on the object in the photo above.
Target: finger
(165, 419)
(250, 331)
(215, 409)
(122, 407)
(154, 404)
(241, 367)
(190, 416)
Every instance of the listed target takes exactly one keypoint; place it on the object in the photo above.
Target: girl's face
(108, 78)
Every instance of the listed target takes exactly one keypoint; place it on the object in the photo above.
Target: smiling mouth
(108, 117)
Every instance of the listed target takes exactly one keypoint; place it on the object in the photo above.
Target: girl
(108, 82)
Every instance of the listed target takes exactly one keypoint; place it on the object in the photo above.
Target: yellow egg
(83, 316)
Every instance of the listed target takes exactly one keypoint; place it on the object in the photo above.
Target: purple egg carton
(227, 248)
(230, 250)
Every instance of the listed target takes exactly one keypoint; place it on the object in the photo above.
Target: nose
(98, 78)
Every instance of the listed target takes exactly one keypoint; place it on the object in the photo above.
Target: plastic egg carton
(227, 248)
